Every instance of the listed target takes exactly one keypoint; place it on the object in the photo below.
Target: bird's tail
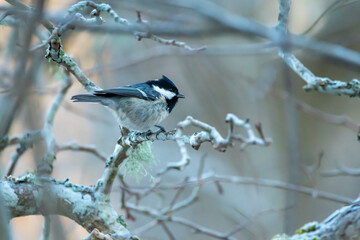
(86, 98)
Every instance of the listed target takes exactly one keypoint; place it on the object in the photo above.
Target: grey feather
(85, 98)
(125, 92)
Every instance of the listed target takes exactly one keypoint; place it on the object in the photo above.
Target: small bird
(138, 106)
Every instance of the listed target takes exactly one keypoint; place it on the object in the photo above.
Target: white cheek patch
(168, 94)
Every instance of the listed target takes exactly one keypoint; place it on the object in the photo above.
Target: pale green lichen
(27, 177)
(81, 203)
(69, 62)
(139, 157)
(9, 195)
(308, 227)
(121, 220)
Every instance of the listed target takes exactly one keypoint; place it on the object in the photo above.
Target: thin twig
(342, 170)
(47, 131)
(46, 229)
(211, 178)
(73, 146)
(342, 120)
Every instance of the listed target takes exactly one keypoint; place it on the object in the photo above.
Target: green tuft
(138, 157)
(309, 227)
(121, 220)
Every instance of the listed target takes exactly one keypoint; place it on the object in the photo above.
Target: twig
(113, 162)
(211, 178)
(146, 227)
(21, 82)
(23, 143)
(163, 51)
(56, 54)
(342, 224)
(321, 84)
(166, 213)
(73, 146)
(175, 219)
(97, 235)
(329, 9)
(29, 138)
(343, 120)
(210, 134)
(123, 201)
(46, 229)
(341, 170)
(103, 7)
(199, 228)
(167, 231)
(47, 131)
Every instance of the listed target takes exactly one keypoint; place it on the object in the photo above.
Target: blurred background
(244, 82)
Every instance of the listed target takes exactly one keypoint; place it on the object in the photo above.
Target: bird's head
(165, 87)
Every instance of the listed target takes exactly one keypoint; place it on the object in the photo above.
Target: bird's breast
(139, 114)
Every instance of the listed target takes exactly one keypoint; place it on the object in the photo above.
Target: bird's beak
(180, 96)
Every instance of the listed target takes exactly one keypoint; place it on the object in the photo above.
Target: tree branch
(210, 134)
(321, 84)
(212, 178)
(342, 224)
(23, 196)
(342, 170)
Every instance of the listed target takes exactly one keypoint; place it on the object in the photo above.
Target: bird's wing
(129, 91)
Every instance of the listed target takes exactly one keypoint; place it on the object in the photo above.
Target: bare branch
(167, 231)
(21, 79)
(211, 178)
(210, 134)
(329, 9)
(342, 224)
(56, 54)
(321, 84)
(200, 229)
(146, 227)
(47, 131)
(24, 196)
(29, 138)
(103, 186)
(163, 51)
(97, 235)
(341, 170)
(73, 146)
(96, 19)
(342, 120)
(23, 6)
(46, 229)
(23, 143)
(173, 42)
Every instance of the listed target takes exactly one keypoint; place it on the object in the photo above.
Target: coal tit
(138, 106)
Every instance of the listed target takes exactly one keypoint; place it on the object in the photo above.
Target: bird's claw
(161, 129)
